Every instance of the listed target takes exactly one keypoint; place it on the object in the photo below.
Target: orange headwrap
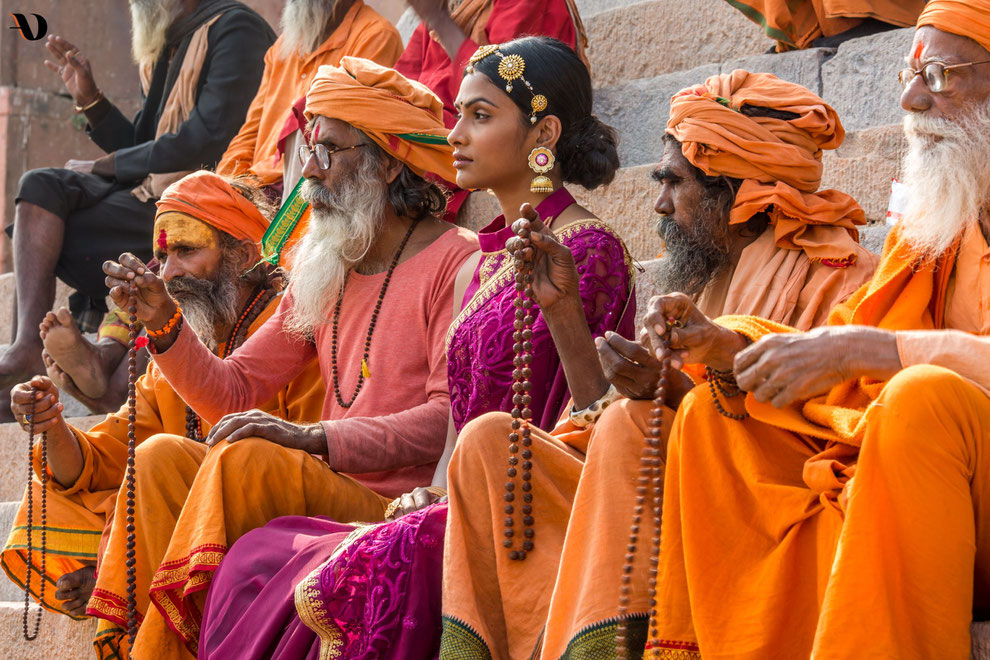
(402, 116)
(779, 160)
(966, 18)
(209, 198)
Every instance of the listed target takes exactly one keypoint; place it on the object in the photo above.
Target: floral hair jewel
(510, 68)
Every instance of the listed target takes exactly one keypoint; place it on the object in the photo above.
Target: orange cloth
(779, 160)
(208, 197)
(796, 23)
(160, 413)
(362, 32)
(967, 18)
(402, 116)
(787, 477)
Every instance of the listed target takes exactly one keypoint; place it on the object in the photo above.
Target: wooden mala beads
(129, 476)
(520, 440)
(33, 635)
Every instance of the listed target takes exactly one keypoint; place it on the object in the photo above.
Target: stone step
(13, 456)
(9, 591)
(7, 295)
(59, 637)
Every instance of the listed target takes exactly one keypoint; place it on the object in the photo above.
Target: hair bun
(588, 155)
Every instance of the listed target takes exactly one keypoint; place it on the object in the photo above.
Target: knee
(482, 441)
(160, 447)
(243, 455)
(918, 383)
(621, 429)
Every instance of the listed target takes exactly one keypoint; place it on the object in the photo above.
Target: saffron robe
(497, 608)
(390, 439)
(796, 24)
(362, 32)
(863, 504)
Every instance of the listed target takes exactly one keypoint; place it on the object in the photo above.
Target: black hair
(586, 151)
(410, 195)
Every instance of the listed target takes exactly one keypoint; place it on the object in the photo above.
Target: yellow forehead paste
(174, 228)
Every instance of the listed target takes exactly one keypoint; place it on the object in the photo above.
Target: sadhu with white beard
(371, 298)
(847, 515)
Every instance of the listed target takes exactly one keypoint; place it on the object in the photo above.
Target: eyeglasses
(322, 153)
(934, 74)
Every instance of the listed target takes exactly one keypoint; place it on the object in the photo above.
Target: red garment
(391, 438)
(425, 60)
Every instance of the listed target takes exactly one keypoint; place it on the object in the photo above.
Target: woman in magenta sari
(313, 588)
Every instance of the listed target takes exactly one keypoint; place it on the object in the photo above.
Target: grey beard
(207, 303)
(150, 20)
(305, 26)
(691, 260)
(345, 222)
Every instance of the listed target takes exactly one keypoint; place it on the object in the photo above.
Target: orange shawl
(402, 116)
(779, 160)
(903, 295)
(966, 18)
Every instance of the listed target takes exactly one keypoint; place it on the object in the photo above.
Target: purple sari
(311, 588)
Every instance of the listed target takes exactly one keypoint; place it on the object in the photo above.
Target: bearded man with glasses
(840, 509)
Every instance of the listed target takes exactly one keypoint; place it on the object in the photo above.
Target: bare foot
(75, 355)
(66, 384)
(75, 589)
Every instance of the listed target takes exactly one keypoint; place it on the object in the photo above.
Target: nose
(171, 268)
(916, 97)
(665, 202)
(310, 169)
(456, 136)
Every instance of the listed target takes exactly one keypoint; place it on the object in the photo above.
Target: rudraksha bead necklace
(371, 328)
(724, 382)
(129, 476)
(257, 304)
(31, 636)
(520, 440)
(650, 482)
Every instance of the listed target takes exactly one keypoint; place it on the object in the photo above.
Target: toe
(64, 316)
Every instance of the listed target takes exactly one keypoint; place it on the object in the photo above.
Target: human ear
(392, 170)
(547, 132)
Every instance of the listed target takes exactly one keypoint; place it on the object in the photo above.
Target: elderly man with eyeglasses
(370, 297)
(841, 509)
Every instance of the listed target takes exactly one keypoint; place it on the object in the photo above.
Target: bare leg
(37, 244)
(84, 362)
(75, 589)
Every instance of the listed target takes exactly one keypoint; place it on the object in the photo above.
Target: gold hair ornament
(510, 68)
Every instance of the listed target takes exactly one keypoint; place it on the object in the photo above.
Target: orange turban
(402, 116)
(779, 160)
(966, 18)
(209, 198)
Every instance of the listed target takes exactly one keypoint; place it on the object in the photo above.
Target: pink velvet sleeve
(213, 387)
(966, 354)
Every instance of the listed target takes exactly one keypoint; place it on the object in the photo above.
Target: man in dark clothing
(201, 62)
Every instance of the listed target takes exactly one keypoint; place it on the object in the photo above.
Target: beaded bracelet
(590, 415)
(168, 327)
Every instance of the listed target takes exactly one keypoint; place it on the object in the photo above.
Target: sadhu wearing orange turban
(811, 256)
(85, 519)
(402, 116)
(840, 509)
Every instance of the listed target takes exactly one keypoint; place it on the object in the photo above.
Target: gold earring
(541, 161)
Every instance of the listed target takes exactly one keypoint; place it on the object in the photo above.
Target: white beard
(150, 19)
(344, 224)
(947, 174)
(304, 26)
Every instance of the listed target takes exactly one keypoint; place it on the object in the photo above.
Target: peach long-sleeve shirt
(363, 32)
(392, 436)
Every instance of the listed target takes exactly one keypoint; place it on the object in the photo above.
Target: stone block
(9, 591)
(59, 637)
(860, 82)
(638, 110)
(873, 235)
(103, 36)
(647, 39)
(627, 205)
(13, 456)
(646, 287)
(803, 67)
(980, 640)
(478, 210)
(864, 165)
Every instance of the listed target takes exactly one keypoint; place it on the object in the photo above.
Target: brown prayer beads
(129, 477)
(522, 415)
(650, 483)
(725, 383)
(31, 636)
